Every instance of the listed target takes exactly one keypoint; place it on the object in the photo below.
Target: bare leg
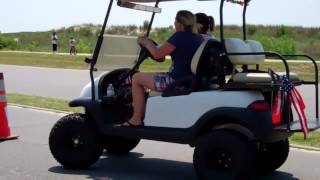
(140, 81)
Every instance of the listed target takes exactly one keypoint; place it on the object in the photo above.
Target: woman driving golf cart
(181, 46)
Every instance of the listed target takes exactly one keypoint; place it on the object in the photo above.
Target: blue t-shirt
(186, 44)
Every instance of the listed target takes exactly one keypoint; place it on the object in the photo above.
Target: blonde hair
(187, 19)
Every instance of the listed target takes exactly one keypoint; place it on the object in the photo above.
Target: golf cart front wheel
(119, 145)
(74, 142)
(224, 154)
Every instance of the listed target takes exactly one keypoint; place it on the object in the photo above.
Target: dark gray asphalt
(47, 82)
(29, 157)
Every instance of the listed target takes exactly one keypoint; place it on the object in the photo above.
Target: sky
(44, 15)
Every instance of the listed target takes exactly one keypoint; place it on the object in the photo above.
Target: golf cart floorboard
(175, 135)
(295, 126)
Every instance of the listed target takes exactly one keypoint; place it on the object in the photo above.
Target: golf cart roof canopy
(150, 1)
(131, 4)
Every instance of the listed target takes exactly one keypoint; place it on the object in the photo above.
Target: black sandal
(129, 124)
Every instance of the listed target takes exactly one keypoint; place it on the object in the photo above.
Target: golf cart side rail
(316, 77)
(284, 58)
(267, 54)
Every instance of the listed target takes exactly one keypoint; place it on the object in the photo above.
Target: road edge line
(310, 148)
(39, 108)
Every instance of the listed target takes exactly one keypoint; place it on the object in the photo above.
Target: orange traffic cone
(5, 133)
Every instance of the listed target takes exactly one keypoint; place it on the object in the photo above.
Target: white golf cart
(229, 122)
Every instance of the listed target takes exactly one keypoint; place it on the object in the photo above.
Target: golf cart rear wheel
(224, 154)
(74, 142)
(119, 145)
(272, 155)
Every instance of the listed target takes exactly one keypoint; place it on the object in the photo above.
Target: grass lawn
(313, 139)
(41, 102)
(43, 60)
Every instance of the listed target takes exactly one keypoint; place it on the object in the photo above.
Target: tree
(145, 25)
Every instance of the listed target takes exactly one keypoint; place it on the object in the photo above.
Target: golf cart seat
(234, 45)
(207, 65)
(207, 68)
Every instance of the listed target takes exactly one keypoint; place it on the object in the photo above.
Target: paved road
(29, 157)
(48, 82)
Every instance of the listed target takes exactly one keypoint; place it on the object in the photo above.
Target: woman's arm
(157, 53)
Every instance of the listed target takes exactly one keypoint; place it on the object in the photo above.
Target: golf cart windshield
(118, 51)
(119, 48)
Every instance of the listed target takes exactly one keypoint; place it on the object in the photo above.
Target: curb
(304, 147)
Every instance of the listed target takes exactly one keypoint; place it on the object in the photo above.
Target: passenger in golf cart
(205, 25)
(181, 46)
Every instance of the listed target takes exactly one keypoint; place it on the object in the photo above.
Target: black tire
(271, 156)
(224, 155)
(119, 145)
(74, 142)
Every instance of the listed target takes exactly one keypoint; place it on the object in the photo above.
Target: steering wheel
(145, 53)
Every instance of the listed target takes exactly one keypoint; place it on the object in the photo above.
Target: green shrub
(145, 25)
(33, 46)
(283, 31)
(86, 31)
(282, 45)
(70, 30)
(8, 43)
(160, 35)
(251, 29)
(83, 47)
(312, 49)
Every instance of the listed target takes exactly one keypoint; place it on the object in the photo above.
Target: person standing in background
(54, 42)
(72, 45)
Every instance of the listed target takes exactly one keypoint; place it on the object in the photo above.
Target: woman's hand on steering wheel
(143, 41)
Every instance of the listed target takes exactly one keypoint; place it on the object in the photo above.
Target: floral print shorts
(162, 81)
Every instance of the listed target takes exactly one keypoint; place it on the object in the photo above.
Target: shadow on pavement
(133, 166)
(278, 175)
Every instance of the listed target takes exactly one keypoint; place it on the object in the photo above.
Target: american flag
(296, 101)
